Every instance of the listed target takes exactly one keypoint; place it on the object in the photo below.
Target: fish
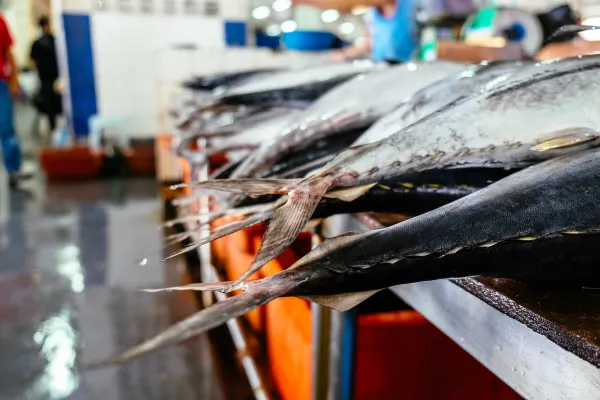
(212, 82)
(545, 219)
(475, 79)
(246, 132)
(409, 196)
(212, 117)
(518, 123)
(293, 86)
(348, 106)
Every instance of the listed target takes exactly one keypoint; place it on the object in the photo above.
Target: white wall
(131, 61)
(22, 26)
(138, 70)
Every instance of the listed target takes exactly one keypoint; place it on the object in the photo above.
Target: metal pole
(201, 174)
(321, 333)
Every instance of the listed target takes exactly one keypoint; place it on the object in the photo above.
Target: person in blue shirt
(391, 24)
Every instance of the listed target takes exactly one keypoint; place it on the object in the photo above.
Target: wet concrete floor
(68, 294)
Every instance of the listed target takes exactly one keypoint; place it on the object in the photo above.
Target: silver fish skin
(352, 103)
(267, 130)
(264, 128)
(475, 79)
(548, 209)
(542, 111)
(298, 77)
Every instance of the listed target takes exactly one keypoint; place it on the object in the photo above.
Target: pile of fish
(495, 162)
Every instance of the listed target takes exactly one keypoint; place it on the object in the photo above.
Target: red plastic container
(73, 163)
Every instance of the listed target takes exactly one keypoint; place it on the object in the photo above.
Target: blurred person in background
(9, 90)
(43, 57)
(393, 34)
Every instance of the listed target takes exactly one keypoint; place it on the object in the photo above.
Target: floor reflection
(68, 281)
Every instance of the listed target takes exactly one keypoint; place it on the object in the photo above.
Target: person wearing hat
(391, 24)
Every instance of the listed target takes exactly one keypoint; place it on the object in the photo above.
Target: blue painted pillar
(80, 59)
(236, 15)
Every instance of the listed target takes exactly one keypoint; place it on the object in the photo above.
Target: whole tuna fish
(357, 103)
(550, 209)
(293, 86)
(410, 195)
(477, 78)
(211, 82)
(244, 132)
(541, 112)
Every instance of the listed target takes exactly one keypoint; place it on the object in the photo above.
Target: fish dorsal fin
(341, 302)
(329, 245)
(567, 138)
(350, 194)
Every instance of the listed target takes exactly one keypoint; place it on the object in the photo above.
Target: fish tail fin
(212, 216)
(224, 230)
(250, 187)
(286, 224)
(256, 294)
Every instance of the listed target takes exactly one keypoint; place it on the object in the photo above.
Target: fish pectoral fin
(329, 245)
(350, 194)
(566, 138)
(341, 302)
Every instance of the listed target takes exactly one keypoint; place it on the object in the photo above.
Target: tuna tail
(250, 187)
(205, 219)
(256, 294)
(213, 215)
(286, 224)
(225, 230)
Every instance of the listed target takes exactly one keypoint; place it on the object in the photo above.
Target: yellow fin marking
(526, 238)
(350, 194)
(451, 252)
(572, 137)
(424, 254)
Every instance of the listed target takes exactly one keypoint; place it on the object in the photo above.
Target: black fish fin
(287, 223)
(251, 187)
(329, 245)
(257, 293)
(224, 230)
(341, 302)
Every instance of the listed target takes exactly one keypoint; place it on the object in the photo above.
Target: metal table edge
(576, 362)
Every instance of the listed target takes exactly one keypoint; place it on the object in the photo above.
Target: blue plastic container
(308, 40)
